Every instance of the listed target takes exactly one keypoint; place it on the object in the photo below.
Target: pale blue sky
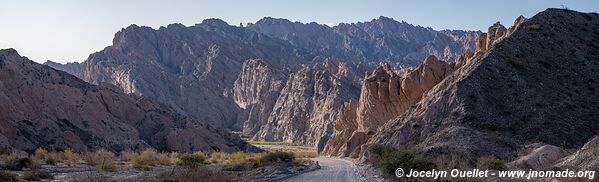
(70, 30)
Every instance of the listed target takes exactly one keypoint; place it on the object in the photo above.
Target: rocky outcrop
(495, 34)
(43, 107)
(535, 85)
(540, 158)
(586, 158)
(384, 95)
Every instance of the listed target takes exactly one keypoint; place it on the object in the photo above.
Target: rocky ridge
(381, 39)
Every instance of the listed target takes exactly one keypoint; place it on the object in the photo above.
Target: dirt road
(332, 169)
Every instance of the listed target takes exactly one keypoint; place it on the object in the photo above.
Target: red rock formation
(384, 95)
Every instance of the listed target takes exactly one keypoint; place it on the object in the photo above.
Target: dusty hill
(43, 107)
(536, 82)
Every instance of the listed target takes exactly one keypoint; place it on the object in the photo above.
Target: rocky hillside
(43, 107)
(273, 80)
(534, 83)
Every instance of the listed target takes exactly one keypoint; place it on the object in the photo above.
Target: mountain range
(274, 80)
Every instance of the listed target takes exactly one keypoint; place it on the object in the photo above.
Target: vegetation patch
(148, 159)
(388, 159)
(6, 176)
(491, 163)
(102, 159)
(191, 160)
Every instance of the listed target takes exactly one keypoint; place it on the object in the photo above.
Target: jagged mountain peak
(273, 21)
(9, 53)
(216, 22)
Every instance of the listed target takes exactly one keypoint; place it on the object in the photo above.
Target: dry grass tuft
(102, 159)
(149, 158)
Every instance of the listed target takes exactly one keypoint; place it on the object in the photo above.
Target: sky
(69, 30)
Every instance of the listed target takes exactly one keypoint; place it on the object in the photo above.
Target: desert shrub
(191, 160)
(389, 159)
(6, 176)
(50, 158)
(240, 161)
(277, 156)
(491, 163)
(102, 159)
(300, 153)
(53, 157)
(15, 160)
(127, 155)
(149, 158)
(217, 157)
(40, 153)
(71, 157)
(36, 175)
(17, 164)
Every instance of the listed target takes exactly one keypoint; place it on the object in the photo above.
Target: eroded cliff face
(532, 83)
(256, 91)
(301, 108)
(43, 107)
(192, 69)
(384, 95)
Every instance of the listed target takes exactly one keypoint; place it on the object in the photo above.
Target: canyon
(524, 94)
(274, 80)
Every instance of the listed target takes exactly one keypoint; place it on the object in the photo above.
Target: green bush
(391, 159)
(191, 160)
(378, 150)
(6, 176)
(491, 163)
(277, 156)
